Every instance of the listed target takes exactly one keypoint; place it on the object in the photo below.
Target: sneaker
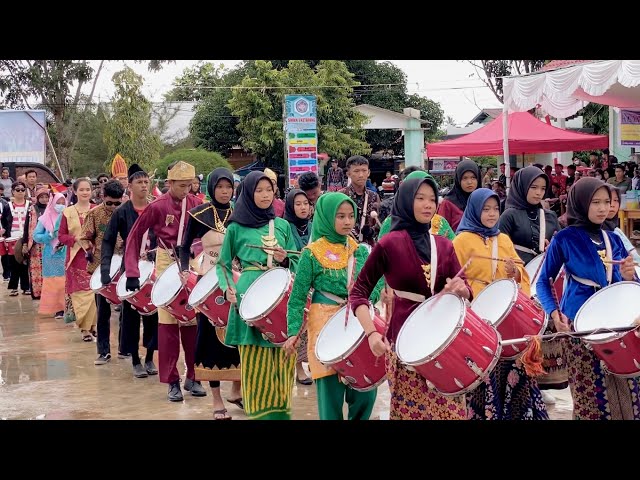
(102, 359)
(26, 292)
(123, 355)
(5, 280)
(548, 398)
(59, 316)
(139, 371)
(14, 293)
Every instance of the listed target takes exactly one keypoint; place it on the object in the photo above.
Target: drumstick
(535, 275)
(499, 259)
(230, 285)
(618, 262)
(554, 294)
(585, 333)
(295, 252)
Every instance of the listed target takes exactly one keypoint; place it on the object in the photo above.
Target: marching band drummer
(267, 373)
(509, 393)
(119, 226)
(531, 228)
(325, 265)
(166, 218)
(404, 256)
(582, 247)
(208, 222)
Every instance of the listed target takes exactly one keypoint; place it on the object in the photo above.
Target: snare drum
(346, 350)
(140, 300)
(535, 266)
(10, 243)
(510, 311)
(169, 293)
(3, 246)
(448, 344)
(108, 291)
(208, 298)
(613, 306)
(264, 304)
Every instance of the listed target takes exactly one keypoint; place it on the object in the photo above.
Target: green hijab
(324, 216)
(420, 174)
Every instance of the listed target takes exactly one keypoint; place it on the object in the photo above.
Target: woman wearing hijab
(214, 361)
(530, 227)
(267, 373)
(612, 223)
(508, 393)
(455, 202)
(324, 267)
(297, 211)
(410, 266)
(439, 225)
(53, 257)
(581, 248)
(34, 249)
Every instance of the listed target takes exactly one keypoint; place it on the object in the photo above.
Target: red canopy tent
(527, 134)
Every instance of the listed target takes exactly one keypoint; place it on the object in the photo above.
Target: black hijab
(403, 218)
(203, 213)
(212, 181)
(578, 202)
(289, 209)
(611, 225)
(457, 195)
(246, 212)
(520, 184)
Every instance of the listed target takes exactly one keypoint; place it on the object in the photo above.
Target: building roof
(484, 115)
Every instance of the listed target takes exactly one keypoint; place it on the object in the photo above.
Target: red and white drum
(264, 304)
(10, 243)
(534, 267)
(510, 311)
(140, 300)
(169, 293)
(3, 246)
(613, 306)
(346, 350)
(208, 298)
(448, 344)
(109, 291)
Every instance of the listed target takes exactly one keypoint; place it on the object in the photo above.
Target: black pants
(131, 332)
(104, 326)
(6, 268)
(19, 272)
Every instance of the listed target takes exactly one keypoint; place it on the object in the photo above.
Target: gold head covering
(118, 167)
(272, 175)
(182, 171)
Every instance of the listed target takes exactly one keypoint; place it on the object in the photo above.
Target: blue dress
(52, 261)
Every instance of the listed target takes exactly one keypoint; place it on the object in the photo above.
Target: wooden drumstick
(230, 285)
(294, 252)
(500, 259)
(585, 333)
(619, 262)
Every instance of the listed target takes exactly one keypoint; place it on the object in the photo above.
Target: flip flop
(237, 402)
(221, 415)
(87, 337)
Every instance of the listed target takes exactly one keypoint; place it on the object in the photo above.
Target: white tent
(563, 91)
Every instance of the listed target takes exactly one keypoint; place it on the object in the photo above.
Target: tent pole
(505, 144)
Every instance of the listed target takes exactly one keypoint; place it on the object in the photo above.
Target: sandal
(221, 415)
(237, 402)
(87, 337)
(14, 293)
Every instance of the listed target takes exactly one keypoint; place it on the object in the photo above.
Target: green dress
(301, 240)
(237, 236)
(439, 226)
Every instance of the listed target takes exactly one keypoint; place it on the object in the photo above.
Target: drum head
(531, 269)
(207, 284)
(613, 306)
(336, 341)
(495, 300)
(116, 263)
(264, 293)
(95, 283)
(146, 269)
(429, 327)
(166, 286)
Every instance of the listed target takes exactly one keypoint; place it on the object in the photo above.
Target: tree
(90, 153)
(258, 105)
(490, 71)
(204, 162)
(213, 127)
(56, 86)
(128, 131)
(196, 83)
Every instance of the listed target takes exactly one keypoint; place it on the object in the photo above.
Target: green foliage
(128, 130)
(490, 71)
(259, 108)
(597, 117)
(90, 153)
(195, 83)
(203, 161)
(213, 127)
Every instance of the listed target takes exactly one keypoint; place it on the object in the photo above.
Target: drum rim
(445, 344)
(352, 348)
(175, 295)
(512, 302)
(370, 387)
(614, 336)
(209, 292)
(144, 284)
(113, 277)
(275, 303)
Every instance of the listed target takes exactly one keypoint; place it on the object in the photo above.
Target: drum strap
(543, 231)
(494, 255)
(414, 297)
(183, 220)
(270, 254)
(434, 264)
(586, 281)
(520, 248)
(351, 265)
(335, 298)
(609, 254)
(143, 245)
(364, 214)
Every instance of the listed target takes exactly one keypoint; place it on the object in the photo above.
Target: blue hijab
(471, 217)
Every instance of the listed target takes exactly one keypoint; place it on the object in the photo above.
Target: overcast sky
(451, 83)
